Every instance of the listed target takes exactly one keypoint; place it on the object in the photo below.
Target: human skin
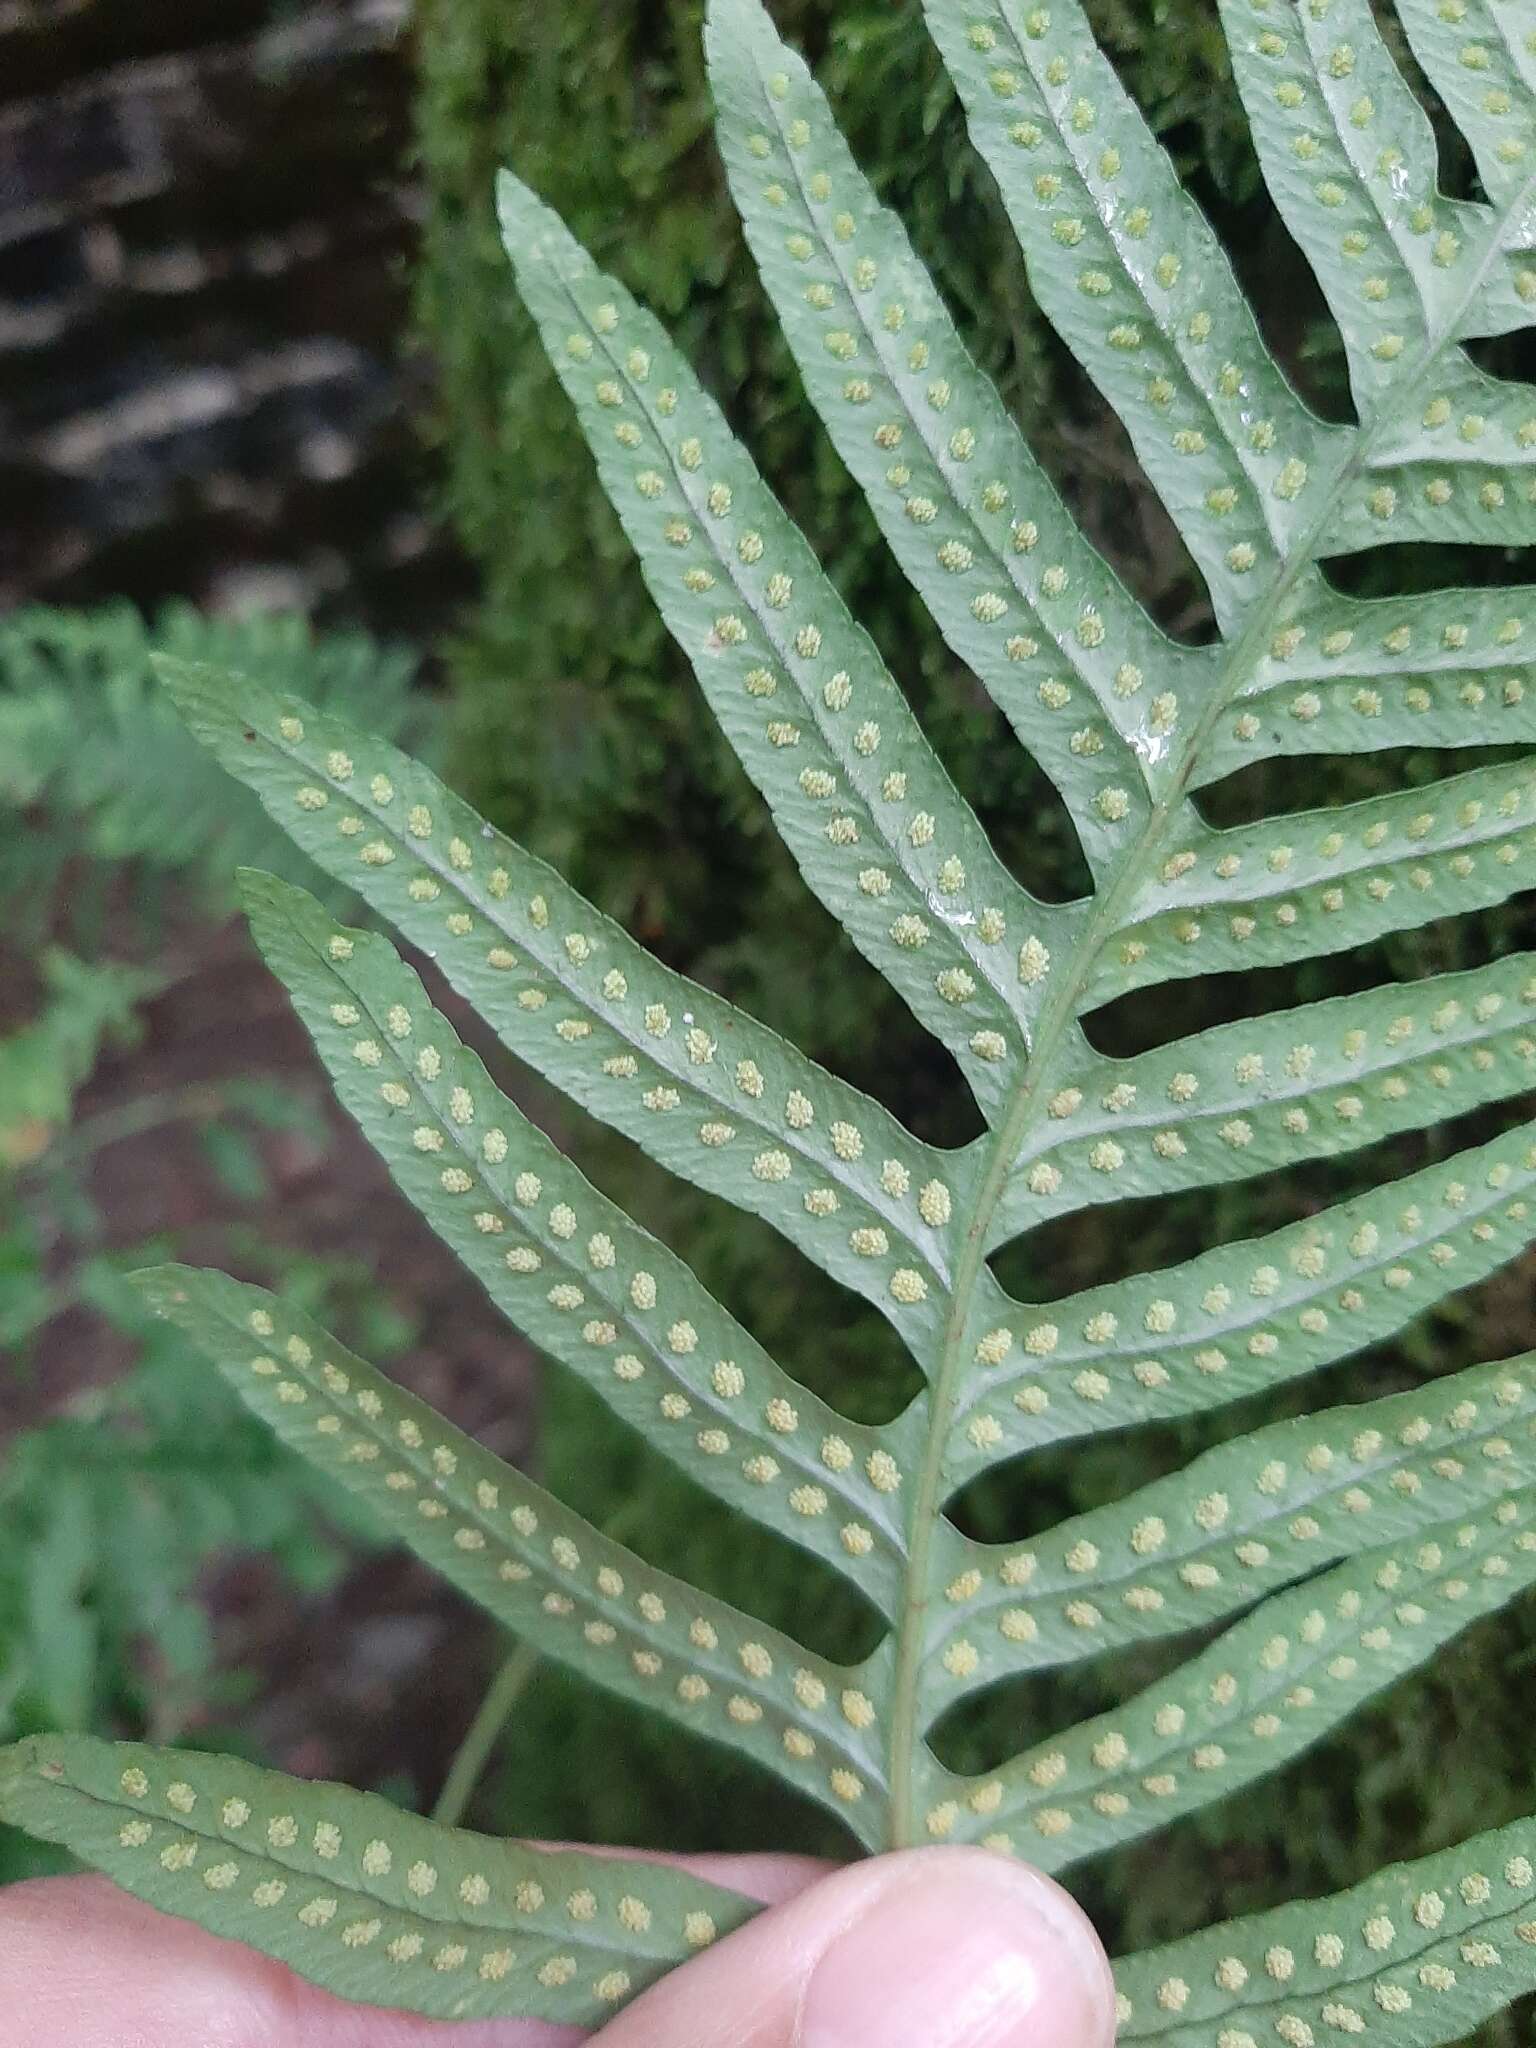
(927, 1948)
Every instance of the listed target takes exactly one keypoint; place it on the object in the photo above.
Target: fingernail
(968, 1951)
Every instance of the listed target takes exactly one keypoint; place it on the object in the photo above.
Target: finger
(929, 1948)
(83, 1965)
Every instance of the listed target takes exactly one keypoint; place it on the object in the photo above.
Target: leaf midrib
(1059, 1014)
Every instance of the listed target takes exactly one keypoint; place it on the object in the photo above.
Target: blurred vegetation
(118, 844)
(578, 726)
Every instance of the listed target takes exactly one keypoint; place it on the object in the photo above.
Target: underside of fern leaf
(1334, 1552)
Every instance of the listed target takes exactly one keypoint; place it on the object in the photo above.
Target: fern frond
(1130, 274)
(1245, 1318)
(1315, 882)
(1266, 1690)
(1335, 1551)
(1480, 60)
(535, 1566)
(383, 1906)
(1424, 1950)
(1243, 1519)
(696, 1083)
(1277, 1089)
(1351, 675)
(1349, 157)
(566, 1265)
(1018, 593)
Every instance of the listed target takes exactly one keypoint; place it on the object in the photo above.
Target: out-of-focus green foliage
(579, 729)
(117, 837)
(99, 782)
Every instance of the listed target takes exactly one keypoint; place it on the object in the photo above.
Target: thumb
(927, 1948)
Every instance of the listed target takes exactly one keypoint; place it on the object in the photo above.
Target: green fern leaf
(693, 1081)
(539, 1569)
(861, 799)
(1274, 1090)
(1243, 1519)
(567, 1266)
(1244, 1318)
(1353, 676)
(1424, 1951)
(1334, 1552)
(1261, 1694)
(1130, 274)
(1318, 881)
(974, 522)
(1350, 158)
(383, 1906)
(1480, 60)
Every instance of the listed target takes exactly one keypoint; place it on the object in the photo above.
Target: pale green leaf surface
(1349, 157)
(1314, 882)
(542, 1571)
(565, 1265)
(1244, 1318)
(1263, 1692)
(1506, 298)
(1239, 1522)
(1273, 1090)
(1018, 593)
(1129, 273)
(857, 793)
(667, 1063)
(1479, 56)
(1462, 468)
(1417, 1956)
(1349, 675)
(377, 1905)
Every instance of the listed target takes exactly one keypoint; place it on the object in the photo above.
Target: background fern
(1418, 1469)
(117, 839)
(103, 773)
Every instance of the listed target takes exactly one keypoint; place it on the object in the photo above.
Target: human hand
(928, 1948)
